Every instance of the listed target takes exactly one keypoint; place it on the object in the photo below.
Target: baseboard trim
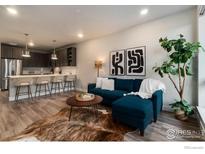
(167, 108)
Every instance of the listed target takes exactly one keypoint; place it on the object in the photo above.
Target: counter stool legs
(39, 90)
(67, 84)
(36, 90)
(29, 92)
(56, 86)
(49, 89)
(59, 87)
(73, 85)
(19, 93)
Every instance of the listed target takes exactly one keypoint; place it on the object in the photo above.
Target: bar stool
(69, 82)
(74, 82)
(42, 82)
(23, 84)
(57, 83)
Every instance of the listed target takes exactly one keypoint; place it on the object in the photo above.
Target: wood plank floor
(15, 117)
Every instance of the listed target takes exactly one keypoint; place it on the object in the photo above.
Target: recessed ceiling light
(12, 11)
(80, 35)
(144, 11)
(31, 44)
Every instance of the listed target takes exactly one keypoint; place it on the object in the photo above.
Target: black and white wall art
(136, 61)
(117, 62)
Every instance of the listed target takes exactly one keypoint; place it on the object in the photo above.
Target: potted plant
(181, 53)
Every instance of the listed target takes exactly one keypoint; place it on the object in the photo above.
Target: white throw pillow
(108, 84)
(99, 82)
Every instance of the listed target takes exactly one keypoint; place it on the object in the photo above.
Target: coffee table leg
(70, 113)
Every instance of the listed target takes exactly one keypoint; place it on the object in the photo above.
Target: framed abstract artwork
(136, 61)
(117, 62)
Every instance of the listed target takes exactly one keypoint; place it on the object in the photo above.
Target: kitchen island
(32, 79)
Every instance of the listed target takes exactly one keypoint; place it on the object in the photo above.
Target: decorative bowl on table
(84, 97)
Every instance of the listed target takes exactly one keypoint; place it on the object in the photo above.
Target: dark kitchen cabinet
(62, 57)
(11, 52)
(6, 51)
(17, 52)
(37, 60)
(54, 63)
(47, 60)
(71, 56)
(66, 57)
(59, 54)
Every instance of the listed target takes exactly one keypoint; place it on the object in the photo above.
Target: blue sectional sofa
(131, 110)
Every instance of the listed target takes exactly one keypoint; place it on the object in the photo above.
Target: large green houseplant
(181, 53)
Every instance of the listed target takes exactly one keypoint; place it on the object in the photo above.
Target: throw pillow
(108, 84)
(99, 82)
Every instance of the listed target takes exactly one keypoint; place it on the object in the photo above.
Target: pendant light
(53, 56)
(26, 52)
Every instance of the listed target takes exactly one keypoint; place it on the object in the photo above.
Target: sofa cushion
(136, 84)
(95, 91)
(113, 95)
(124, 84)
(133, 106)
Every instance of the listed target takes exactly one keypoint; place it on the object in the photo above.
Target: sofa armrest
(157, 99)
(91, 86)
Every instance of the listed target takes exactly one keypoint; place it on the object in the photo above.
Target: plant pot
(180, 115)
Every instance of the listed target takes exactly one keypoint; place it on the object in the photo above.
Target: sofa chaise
(131, 109)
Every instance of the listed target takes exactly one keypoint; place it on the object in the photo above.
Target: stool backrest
(57, 79)
(43, 79)
(22, 81)
(70, 78)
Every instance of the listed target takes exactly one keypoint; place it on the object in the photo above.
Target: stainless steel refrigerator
(9, 67)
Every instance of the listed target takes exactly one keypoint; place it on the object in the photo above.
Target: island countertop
(32, 80)
(37, 76)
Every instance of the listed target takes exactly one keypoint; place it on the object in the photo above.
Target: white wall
(201, 64)
(147, 35)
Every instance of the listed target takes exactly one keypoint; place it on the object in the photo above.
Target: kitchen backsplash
(46, 70)
(68, 70)
(36, 70)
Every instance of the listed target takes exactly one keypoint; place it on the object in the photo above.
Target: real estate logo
(184, 133)
(171, 134)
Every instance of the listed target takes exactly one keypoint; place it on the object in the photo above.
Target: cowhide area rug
(85, 125)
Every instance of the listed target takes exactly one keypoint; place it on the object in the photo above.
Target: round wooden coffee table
(75, 103)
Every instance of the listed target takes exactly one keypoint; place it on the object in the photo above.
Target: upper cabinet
(37, 60)
(62, 57)
(71, 56)
(17, 52)
(11, 52)
(66, 57)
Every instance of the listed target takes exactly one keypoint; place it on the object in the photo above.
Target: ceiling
(63, 23)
